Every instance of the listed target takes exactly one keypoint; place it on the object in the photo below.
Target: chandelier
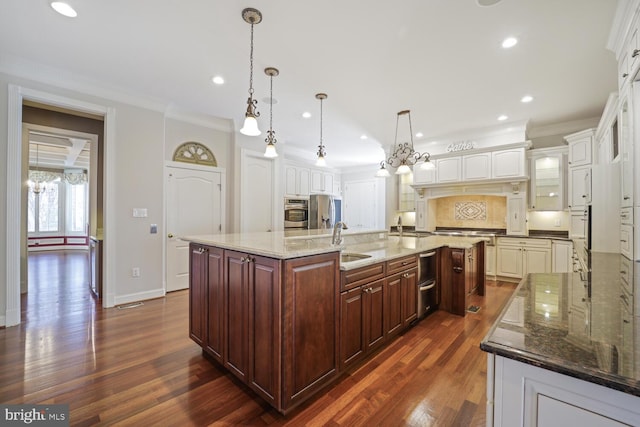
(403, 155)
(250, 127)
(270, 150)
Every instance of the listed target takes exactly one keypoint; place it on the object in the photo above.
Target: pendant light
(403, 155)
(270, 151)
(250, 127)
(321, 150)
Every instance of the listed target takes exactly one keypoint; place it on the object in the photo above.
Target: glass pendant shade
(270, 151)
(321, 161)
(250, 127)
(403, 170)
(382, 172)
(427, 165)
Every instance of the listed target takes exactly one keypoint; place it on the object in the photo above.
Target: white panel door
(194, 206)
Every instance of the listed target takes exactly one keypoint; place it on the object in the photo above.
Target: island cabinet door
(215, 304)
(393, 305)
(374, 315)
(352, 342)
(409, 286)
(237, 316)
(311, 325)
(264, 328)
(198, 293)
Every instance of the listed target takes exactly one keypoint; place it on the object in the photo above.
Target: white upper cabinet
(449, 169)
(516, 215)
(296, 180)
(548, 183)
(483, 164)
(508, 163)
(424, 176)
(321, 182)
(579, 187)
(476, 166)
(626, 153)
(580, 146)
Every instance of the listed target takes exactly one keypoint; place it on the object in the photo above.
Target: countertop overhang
(279, 245)
(575, 327)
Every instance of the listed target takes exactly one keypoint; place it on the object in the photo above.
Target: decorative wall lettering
(461, 146)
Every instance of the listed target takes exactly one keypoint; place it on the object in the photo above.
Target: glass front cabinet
(548, 179)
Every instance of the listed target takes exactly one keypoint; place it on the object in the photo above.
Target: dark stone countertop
(588, 329)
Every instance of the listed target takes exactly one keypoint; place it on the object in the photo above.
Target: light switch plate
(154, 228)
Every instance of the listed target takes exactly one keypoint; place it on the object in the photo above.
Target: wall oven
(427, 280)
(296, 213)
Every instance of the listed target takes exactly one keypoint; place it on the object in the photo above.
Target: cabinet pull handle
(635, 53)
(626, 197)
(624, 75)
(625, 321)
(457, 269)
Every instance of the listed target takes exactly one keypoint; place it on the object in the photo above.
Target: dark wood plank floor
(137, 366)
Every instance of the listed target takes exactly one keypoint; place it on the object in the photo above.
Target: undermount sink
(348, 257)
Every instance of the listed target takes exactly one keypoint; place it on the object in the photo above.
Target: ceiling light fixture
(306, 114)
(218, 80)
(404, 155)
(509, 42)
(321, 150)
(270, 151)
(503, 117)
(250, 127)
(37, 184)
(64, 9)
(526, 98)
(383, 172)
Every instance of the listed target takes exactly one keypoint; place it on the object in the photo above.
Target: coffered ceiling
(442, 59)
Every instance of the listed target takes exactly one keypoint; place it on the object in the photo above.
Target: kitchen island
(566, 349)
(286, 315)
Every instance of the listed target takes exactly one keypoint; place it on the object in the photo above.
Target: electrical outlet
(135, 272)
(557, 223)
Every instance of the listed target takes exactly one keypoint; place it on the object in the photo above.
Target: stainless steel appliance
(427, 281)
(296, 213)
(324, 211)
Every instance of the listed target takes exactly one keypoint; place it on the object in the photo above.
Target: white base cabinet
(518, 257)
(561, 256)
(519, 394)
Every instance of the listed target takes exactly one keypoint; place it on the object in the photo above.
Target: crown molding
(564, 128)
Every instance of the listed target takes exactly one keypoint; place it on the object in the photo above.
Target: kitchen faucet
(337, 233)
(400, 226)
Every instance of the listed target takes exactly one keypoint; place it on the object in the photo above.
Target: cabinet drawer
(626, 215)
(402, 264)
(626, 240)
(359, 276)
(524, 242)
(626, 271)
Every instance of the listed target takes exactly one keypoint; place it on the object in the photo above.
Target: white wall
(138, 165)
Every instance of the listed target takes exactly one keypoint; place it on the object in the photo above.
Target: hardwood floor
(137, 366)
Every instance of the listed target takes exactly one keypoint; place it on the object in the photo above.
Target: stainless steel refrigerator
(324, 211)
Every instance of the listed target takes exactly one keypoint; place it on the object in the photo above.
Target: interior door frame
(16, 95)
(223, 205)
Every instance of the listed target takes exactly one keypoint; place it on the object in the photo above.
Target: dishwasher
(427, 289)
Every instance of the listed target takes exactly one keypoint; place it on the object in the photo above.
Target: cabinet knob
(170, 235)
(624, 75)
(457, 269)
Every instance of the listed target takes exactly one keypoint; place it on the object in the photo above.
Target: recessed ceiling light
(306, 114)
(64, 9)
(527, 98)
(363, 137)
(487, 2)
(503, 117)
(217, 80)
(419, 135)
(509, 42)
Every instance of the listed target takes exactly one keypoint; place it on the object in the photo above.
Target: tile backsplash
(470, 211)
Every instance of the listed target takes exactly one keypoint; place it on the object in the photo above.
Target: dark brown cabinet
(462, 272)
(402, 293)
(276, 332)
(362, 321)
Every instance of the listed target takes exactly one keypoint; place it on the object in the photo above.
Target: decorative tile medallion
(470, 211)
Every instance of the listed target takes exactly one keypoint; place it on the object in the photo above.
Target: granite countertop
(585, 326)
(375, 243)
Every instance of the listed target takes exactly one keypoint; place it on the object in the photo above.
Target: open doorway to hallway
(62, 206)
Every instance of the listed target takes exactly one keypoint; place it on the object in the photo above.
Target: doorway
(16, 259)
(64, 186)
